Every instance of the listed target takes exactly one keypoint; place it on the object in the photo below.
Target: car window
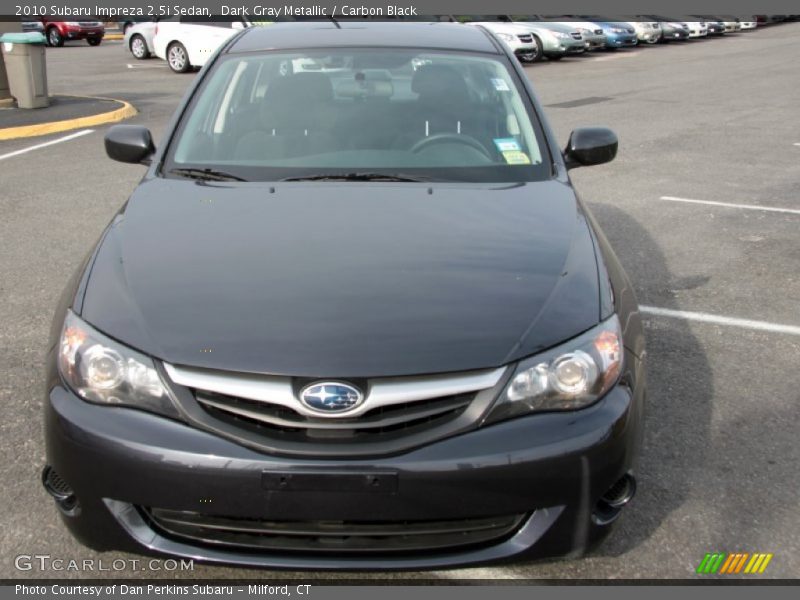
(456, 116)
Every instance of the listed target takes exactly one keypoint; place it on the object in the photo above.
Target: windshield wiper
(358, 177)
(206, 175)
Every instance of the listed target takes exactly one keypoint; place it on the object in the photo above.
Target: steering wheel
(443, 138)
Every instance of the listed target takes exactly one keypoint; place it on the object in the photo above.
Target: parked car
(619, 34)
(648, 32)
(591, 35)
(187, 43)
(139, 39)
(697, 29)
(715, 27)
(731, 24)
(32, 26)
(58, 32)
(521, 42)
(356, 318)
(748, 23)
(553, 42)
(671, 29)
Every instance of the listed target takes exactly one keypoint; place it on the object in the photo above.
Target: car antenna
(335, 22)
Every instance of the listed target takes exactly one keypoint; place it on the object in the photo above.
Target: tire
(94, 41)
(138, 47)
(54, 37)
(178, 58)
(536, 55)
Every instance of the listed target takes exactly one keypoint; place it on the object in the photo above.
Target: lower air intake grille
(331, 536)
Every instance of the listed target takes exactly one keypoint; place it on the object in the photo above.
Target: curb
(114, 36)
(126, 111)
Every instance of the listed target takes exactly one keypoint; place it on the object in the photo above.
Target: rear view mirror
(130, 144)
(590, 146)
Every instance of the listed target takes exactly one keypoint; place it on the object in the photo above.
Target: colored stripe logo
(723, 563)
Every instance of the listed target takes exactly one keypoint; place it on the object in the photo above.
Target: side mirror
(589, 146)
(130, 144)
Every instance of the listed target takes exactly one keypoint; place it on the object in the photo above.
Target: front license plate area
(372, 482)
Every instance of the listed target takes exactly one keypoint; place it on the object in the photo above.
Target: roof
(327, 34)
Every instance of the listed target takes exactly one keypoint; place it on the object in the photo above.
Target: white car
(696, 28)
(647, 31)
(519, 39)
(748, 24)
(188, 44)
(139, 39)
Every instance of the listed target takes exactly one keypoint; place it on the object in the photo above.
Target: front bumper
(553, 468)
(82, 33)
(621, 41)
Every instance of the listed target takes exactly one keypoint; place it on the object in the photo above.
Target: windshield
(437, 116)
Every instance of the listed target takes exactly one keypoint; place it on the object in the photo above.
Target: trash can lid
(32, 37)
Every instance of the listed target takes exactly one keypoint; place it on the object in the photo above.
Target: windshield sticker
(500, 85)
(515, 157)
(505, 144)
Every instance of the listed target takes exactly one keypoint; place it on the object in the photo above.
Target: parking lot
(702, 206)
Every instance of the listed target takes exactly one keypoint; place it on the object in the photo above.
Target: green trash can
(24, 56)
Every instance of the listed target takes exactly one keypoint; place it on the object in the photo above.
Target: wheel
(54, 38)
(94, 41)
(535, 55)
(178, 58)
(138, 47)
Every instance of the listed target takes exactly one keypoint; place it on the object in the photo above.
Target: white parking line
(66, 138)
(157, 66)
(720, 320)
(796, 144)
(792, 211)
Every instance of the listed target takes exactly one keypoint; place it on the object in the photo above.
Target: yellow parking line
(126, 111)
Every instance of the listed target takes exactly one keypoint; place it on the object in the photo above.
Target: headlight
(561, 36)
(73, 24)
(506, 37)
(103, 371)
(570, 376)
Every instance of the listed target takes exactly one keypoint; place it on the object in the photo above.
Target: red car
(58, 32)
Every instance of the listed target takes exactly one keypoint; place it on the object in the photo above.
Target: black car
(354, 315)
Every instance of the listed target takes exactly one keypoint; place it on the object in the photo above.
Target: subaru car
(354, 317)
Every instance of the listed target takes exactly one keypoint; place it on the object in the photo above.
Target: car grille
(631, 31)
(395, 414)
(283, 423)
(526, 38)
(598, 31)
(576, 35)
(88, 24)
(330, 536)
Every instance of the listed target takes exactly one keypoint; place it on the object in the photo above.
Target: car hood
(340, 279)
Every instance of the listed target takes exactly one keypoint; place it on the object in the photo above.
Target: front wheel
(178, 58)
(139, 48)
(54, 38)
(535, 54)
(94, 41)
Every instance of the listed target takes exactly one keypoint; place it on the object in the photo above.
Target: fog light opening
(610, 505)
(60, 490)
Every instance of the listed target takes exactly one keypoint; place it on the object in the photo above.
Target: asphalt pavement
(712, 121)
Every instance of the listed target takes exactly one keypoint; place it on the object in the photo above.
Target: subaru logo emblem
(330, 397)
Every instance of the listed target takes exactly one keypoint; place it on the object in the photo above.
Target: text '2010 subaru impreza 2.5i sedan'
(353, 316)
